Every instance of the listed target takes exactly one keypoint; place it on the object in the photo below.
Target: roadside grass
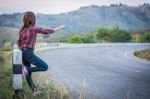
(144, 54)
(50, 88)
(5, 75)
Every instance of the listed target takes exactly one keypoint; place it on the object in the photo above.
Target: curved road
(109, 72)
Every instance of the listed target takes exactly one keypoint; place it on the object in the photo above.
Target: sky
(58, 6)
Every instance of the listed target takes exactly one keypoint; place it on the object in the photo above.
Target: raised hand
(61, 27)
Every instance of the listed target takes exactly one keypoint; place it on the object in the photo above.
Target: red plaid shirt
(27, 36)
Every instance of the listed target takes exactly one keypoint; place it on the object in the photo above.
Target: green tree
(147, 37)
(120, 35)
(103, 33)
(75, 39)
(113, 34)
(88, 38)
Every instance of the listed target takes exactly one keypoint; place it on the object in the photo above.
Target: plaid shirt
(27, 36)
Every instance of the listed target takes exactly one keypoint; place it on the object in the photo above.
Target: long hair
(29, 19)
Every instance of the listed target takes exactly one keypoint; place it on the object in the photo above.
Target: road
(109, 72)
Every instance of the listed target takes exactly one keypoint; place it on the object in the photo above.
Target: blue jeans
(28, 58)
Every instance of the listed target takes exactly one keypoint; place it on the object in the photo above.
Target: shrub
(88, 38)
(113, 34)
(145, 54)
(75, 39)
(103, 33)
(147, 37)
(7, 47)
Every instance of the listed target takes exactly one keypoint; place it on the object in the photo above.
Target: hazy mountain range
(87, 19)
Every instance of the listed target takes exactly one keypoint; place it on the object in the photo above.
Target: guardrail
(81, 45)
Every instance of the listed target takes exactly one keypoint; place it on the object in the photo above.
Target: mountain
(87, 19)
(8, 35)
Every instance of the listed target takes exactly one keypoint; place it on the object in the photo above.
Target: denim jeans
(28, 58)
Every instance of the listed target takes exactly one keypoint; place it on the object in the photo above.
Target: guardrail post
(17, 69)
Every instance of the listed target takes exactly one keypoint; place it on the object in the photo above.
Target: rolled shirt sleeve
(43, 30)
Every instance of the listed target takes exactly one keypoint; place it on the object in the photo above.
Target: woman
(26, 42)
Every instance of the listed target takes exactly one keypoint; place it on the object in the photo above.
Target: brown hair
(28, 19)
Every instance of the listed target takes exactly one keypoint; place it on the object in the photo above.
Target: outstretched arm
(48, 31)
(43, 30)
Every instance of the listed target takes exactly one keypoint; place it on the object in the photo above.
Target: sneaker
(37, 92)
(24, 71)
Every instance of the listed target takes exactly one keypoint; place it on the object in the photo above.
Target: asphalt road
(109, 72)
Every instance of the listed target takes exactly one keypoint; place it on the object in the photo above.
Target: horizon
(53, 7)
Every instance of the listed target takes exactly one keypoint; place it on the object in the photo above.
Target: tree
(120, 35)
(103, 33)
(88, 38)
(75, 39)
(113, 34)
(147, 37)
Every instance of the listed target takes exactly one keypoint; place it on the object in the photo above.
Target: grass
(5, 75)
(144, 54)
(50, 88)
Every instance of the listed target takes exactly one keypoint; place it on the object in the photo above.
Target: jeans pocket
(27, 55)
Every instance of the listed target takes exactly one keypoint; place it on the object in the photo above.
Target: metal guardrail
(80, 45)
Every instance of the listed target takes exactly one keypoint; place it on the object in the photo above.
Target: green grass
(144, 54)
(50, 87)
(5, 75)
